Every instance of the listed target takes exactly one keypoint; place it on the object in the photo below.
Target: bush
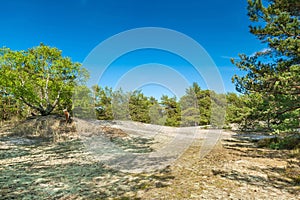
(289, 142)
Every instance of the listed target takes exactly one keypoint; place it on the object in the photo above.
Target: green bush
(289, 142)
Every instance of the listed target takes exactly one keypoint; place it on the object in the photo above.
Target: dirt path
(210, 164)
(233, 170)
(169, 143)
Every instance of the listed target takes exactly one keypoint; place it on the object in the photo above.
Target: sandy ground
(119, 160)
(234, 169)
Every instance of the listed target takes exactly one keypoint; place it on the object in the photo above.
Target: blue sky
(78, 26)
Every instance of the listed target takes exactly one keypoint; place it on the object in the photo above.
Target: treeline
(40, 81)
(197, 107)
(192, 109)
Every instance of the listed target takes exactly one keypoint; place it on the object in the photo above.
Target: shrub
(289, 142)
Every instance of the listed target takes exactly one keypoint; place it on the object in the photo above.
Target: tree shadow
(248, 148)
(45, 170)
(275, 177)
(272, 180)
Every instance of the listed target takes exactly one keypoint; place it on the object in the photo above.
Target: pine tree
(273, 74)
(172, 110)
(189, 108)
(103, 102)
(139, 107)
(156, 112)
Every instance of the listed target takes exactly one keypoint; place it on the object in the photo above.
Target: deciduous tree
(40, 77)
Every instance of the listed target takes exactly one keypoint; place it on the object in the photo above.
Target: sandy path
(169, 144)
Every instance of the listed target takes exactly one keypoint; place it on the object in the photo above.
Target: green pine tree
(273, 74)
(172, 110)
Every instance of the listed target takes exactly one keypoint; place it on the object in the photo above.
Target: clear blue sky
(78, 26)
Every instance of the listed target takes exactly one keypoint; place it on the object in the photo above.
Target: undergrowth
(290, 142)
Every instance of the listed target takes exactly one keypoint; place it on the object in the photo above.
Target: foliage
(10, 107)
(248, 111)
(39, 77)
(156, 112)
(40, 80)
(204, 104)
(192, 109)
(139, 107)
(236, 109)
(197, 107)
(289, 142)
(120, 105)
(103, 99)
(273, 74)
(172, 110)
(218, 109)
(83, 103)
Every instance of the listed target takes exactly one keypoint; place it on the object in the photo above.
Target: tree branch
(30, 105)
(50, 107)
(287, 110)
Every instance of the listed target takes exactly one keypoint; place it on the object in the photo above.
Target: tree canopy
(39, 77)
(272, 75)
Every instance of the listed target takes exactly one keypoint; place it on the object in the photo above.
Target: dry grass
(42, 158)
(233, 170)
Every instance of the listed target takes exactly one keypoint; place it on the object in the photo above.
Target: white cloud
(264, 50)
(229, 57)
